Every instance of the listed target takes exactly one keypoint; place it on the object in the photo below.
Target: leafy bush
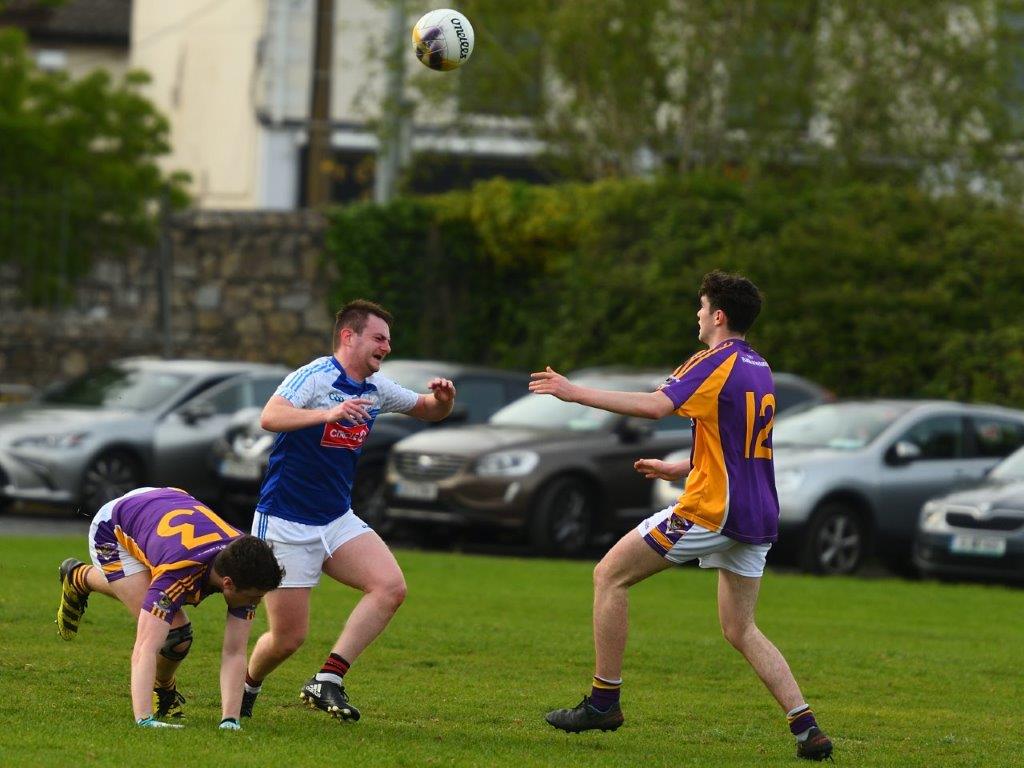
(871, 288)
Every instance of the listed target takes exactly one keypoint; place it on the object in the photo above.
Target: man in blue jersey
(323, 413)
(726, 518)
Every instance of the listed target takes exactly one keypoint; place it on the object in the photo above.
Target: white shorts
(712, 550)
(302, 549)
(106, 552)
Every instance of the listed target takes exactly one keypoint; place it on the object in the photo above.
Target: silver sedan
(133, 422)
(854, 474)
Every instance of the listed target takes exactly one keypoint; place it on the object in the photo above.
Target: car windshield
(546, 412)
(1010, 468)
(118, 388)
(845, 426)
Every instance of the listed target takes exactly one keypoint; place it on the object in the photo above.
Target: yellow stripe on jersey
(160, 570)
(702, 356)
(131, 547)
(705, 499)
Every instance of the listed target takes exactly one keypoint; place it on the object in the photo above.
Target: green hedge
(871, 289)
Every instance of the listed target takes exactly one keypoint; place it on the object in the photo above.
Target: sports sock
(801, 720)
(604, 693)
(79, 578)
(333, 670)
(166, 685)
(252, 686)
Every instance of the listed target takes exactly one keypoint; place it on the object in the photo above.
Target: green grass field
(900, 674)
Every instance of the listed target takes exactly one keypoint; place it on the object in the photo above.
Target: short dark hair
(251, 564)
(735, 295)
(355, 314)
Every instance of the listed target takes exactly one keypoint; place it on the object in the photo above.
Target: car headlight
(55, 441)
(788, 480)
(507, 464)
(933, 518)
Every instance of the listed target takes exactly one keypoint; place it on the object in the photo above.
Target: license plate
(418, 491)
(241, 470)
(989, 546)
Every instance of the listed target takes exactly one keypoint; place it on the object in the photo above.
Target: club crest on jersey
(338, 435)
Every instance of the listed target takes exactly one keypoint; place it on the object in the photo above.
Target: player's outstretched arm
(438, 404)
(150, 635)
(279, 415)
(647, 405)
(232, 666)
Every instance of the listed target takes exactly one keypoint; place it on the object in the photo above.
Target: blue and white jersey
(309, 477)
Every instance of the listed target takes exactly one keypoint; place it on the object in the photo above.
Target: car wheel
(368, 498)
(563, 518)
(110, 475)
(836, 541)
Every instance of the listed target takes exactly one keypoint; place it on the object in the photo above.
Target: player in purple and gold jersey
(726, 518)
(157, 550)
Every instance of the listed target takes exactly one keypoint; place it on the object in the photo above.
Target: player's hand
(443, 389)
(230, 724)
(149, 722)
(550, 382)
(356, 410)
(656, 469)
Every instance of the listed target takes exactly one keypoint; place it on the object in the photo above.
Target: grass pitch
(900, 674)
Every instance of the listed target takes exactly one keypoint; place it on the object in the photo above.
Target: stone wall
(244, 286)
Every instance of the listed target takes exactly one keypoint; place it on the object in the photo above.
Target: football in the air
(443, 39)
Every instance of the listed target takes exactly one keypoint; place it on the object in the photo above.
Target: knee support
(179, 636)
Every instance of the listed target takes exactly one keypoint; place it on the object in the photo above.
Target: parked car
(791, 392)
(559, 472)
(130, 423)
(854, 474)
(976, 533)
(240, 457)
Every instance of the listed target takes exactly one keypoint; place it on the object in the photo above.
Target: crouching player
(156, 550)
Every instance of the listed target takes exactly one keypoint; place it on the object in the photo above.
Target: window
(226, 400)
(788, 395)
(262, 389)
(480, 398)
(672, 423)
(995, 437)
(939, 437)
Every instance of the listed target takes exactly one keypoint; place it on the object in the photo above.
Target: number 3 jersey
(175, 536)
(729, 394)
(311, 470)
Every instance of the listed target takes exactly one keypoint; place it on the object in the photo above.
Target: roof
(105, 22)
(198, 367)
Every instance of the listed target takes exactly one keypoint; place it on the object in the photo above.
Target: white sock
(253, 688)
(329, 677)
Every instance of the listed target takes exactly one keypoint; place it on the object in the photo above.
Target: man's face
(241, 598)
(373, 344)
(705, 320)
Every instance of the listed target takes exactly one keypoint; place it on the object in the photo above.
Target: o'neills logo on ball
(463, 38)
(338, 435)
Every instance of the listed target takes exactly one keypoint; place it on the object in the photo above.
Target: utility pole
(394, 134)
(318, 150)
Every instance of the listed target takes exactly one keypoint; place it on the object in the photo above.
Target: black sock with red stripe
(333, 670)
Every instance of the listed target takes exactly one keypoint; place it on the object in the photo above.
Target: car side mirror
(903, 452)
(633, 429)
(195, 412)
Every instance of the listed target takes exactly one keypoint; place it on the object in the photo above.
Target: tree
(929, 88)
(78, 165)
